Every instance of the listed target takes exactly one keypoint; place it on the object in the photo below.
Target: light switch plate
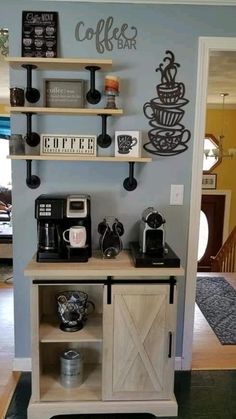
(176, 194)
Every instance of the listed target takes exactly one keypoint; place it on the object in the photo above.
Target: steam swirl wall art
(167, 136)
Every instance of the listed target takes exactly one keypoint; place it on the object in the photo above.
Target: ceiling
(222, 79)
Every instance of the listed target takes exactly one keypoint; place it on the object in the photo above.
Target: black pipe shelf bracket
(32, 181)
(31, 94)
(32, 138)
(130, 183)
(93, 95)
(104, 140)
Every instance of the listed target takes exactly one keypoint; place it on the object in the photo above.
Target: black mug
(17, 96)
(73, 309)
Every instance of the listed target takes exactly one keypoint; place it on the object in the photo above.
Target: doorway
(206, 46)
(211, 229)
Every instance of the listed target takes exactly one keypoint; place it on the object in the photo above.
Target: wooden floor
(208, 353)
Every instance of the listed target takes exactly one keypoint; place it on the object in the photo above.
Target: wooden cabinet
(127, 343)
(138, 361)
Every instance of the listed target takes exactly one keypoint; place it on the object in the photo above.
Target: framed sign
(80, 145)
(64, 93)
(39, 34)
(128, 143)
(209, 181)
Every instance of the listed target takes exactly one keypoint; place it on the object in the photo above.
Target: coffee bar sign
(107, 36)
(82, 145)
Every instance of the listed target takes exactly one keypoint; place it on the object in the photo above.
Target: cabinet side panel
(107, 371)
(35, 345)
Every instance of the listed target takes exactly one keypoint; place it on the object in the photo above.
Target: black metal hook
(32, 181)
(104, 140)
(130, 183)
(93, 96)
(32, 94)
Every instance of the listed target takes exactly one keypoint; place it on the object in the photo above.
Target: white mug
(77, 236)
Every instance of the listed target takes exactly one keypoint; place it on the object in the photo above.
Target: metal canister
(71, 369)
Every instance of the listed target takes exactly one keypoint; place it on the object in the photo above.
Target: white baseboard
(178, 363)
(22, 364)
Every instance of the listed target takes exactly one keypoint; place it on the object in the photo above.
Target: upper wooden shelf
(80, 158)
(57, 64)
(64, 111)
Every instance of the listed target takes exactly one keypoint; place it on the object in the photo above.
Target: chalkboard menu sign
(39, 34)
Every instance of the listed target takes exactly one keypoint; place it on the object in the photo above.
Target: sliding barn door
(138, 343)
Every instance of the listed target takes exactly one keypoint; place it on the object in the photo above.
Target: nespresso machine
(152, 232)
(55, 214)
(152, 250)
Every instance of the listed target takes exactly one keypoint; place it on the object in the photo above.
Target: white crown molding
(190, 2)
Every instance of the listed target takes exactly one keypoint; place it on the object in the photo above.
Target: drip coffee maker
(59, 216)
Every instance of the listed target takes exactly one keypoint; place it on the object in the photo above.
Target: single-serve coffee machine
(152, 232)
(64, 228)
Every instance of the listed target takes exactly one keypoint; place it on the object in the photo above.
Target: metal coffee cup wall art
(167, 136)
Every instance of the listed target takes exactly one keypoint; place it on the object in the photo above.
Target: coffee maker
(152, 232)
(55, 214)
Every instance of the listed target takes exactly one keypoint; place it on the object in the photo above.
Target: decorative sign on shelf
(64, 93)
(167, 136)
(80, 145)
(39, 34)
(128, 144)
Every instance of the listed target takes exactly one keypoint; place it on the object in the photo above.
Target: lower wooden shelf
(50, 332)
(91, 388)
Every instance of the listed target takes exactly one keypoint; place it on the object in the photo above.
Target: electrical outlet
(176, 194)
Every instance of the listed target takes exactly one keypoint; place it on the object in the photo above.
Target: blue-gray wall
(160, 28)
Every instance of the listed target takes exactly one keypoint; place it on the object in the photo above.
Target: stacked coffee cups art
(167, 136)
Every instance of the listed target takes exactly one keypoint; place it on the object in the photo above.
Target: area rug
(6, 273)
(216, 299)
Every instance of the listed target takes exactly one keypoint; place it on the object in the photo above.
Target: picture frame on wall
(64, 93)
(209, 181)
(128, 143)
(39, 34)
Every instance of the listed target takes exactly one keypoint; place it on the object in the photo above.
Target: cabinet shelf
(92, 332)
(57, 64)
(64, 111)
(90, 389)
(60, 157)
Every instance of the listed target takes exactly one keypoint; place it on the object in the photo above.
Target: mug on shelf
(73, 307)
(17, 96)
(76, 236)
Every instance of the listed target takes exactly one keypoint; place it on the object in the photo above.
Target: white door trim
(206, 44)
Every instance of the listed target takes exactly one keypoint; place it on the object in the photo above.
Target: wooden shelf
(49, 331)
(122, 266)
(57, 64)
(78, 158)
(64, 111)
(90, 389)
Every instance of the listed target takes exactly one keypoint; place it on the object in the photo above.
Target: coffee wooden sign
(76, 145)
